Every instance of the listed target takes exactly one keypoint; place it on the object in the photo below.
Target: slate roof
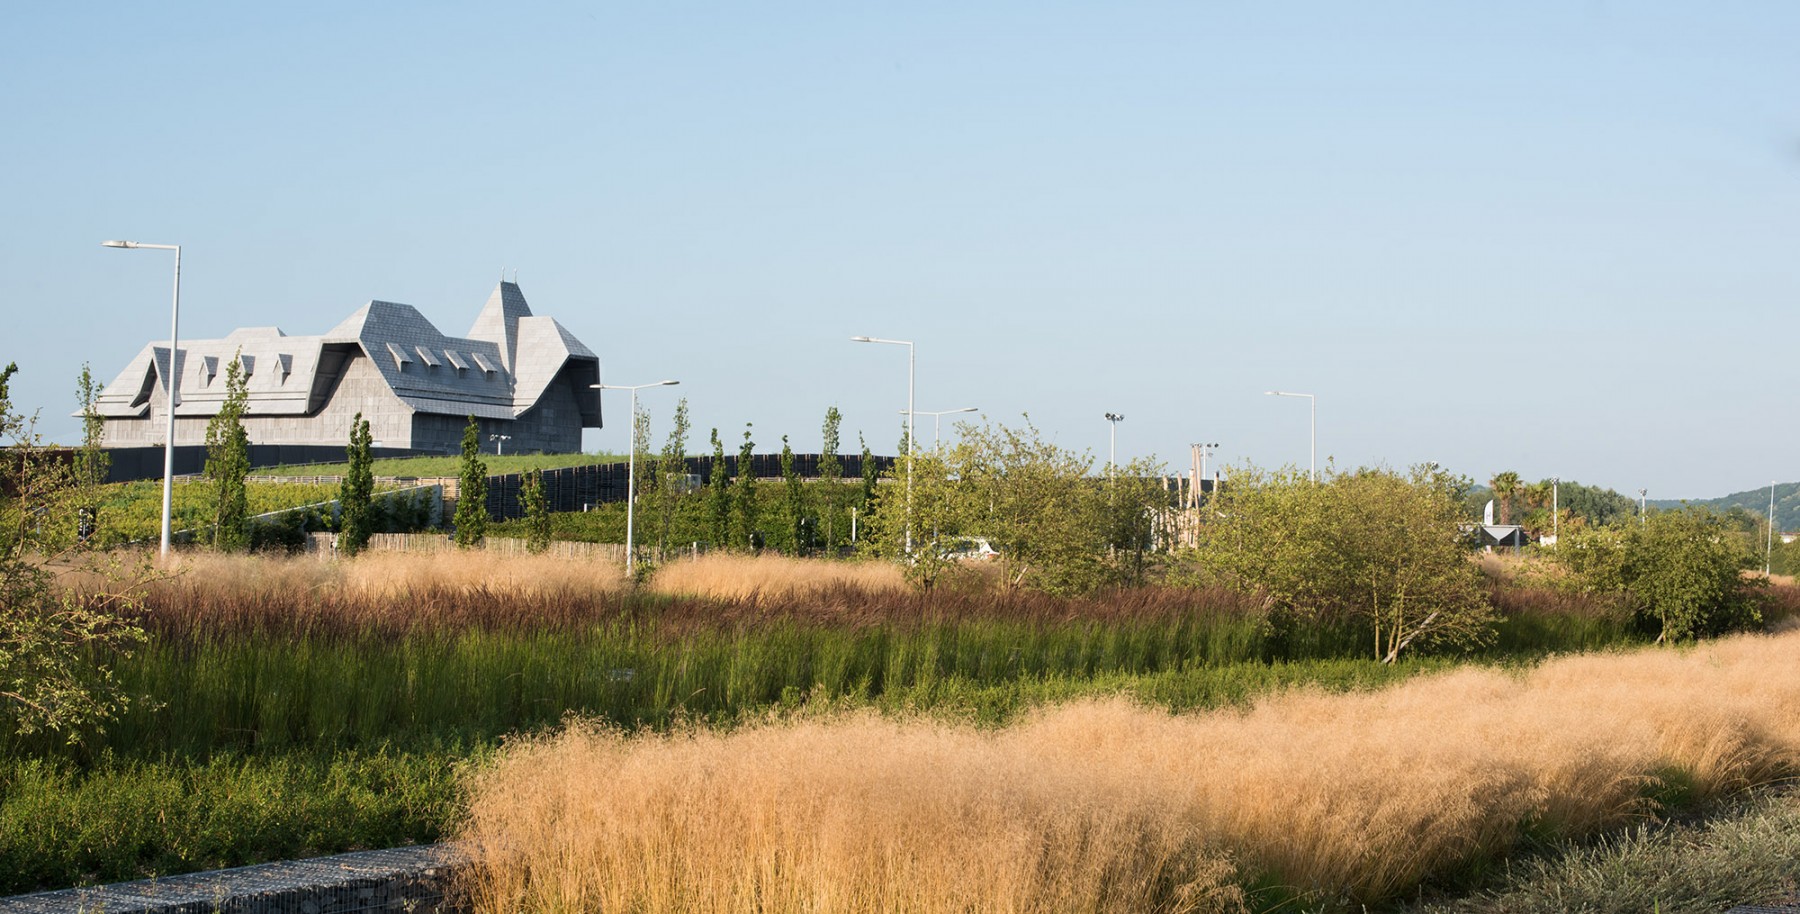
(500, 370)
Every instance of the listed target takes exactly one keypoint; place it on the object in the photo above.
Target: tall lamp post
(1642, 495)
(910, 360)
(1769, 550)
(937, 417)
(1112, 439)
(499, 443)
(1314, 464)
(170, 379)
(631, 466)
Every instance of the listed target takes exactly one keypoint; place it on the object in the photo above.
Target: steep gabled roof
(498, 372)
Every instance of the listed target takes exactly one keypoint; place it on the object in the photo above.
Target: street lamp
(910, 360)
(1315, 426)
(170, 378)
(631, 464)
(1641, 495)
(1112, 439)
(499, 443)
(1555, 515)
(1769, 551)
(937, 417)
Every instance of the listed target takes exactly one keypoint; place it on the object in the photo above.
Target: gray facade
(518, 374)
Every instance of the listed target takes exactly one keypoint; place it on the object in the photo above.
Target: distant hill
(1755, 501)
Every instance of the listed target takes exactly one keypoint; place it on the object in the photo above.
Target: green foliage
(832, 526)
(120, 820)
(471, 490)
(1369, 545)
(91, 461)
(795, 518)
(1682, 568)
(871, 477)
(1056, 528)
(228, 462)
(537, 512)
(357, 492)
(744, 530)
(672, 479)
(54, 650)
(1506, 486)
(718, 494)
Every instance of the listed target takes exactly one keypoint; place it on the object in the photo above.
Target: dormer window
(456, 360)
(482, 363)
(401, 359)
(426, 356)
(208, 369)
(247, 363)
(285, 364)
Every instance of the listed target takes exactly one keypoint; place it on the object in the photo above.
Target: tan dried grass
(209, 592)
(743, 577)
(1102, 806)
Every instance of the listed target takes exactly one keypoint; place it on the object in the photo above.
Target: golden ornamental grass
(743, 577)
(1107, 806)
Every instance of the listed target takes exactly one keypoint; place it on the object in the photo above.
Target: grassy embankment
(307, 707)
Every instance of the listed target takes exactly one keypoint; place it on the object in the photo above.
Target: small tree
(1370, 544)
(871, 477)
(1682, 569)
(831, 489)
(1506, 486)
(672, 478)
(92, 461)
(743, 529)
(718, 494)
(228, 462)
(53, 644)
(471, 490)
(793, 500)
(537, 512)
(356, 494)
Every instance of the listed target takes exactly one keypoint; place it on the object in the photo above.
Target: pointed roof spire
(498, 321)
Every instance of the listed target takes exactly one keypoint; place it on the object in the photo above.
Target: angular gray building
(518, 374)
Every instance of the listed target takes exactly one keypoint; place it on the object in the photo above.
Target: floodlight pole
(910, 413)
(499, 443)
(631, 466)
(170, 380)
(1112, 440)
(1642, 495)
(1315, 427)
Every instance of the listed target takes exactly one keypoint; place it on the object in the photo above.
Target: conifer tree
(357, 492)
(228, 461)
(471, 490)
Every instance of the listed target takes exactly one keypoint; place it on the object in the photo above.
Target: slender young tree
(356, 494)
(646, 476)
(672, 473)
(871, 477)
(744, 499)
(471, 490)
(831, 489)
(793, 500)
(537, 512)
(718, 494)
(92, 461)
(228, 461)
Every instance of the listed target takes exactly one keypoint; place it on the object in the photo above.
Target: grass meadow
(299, 706)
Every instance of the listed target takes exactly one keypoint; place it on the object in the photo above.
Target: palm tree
(1506, 487)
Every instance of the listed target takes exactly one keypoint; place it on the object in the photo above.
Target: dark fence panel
(581, 488)
(134, 463)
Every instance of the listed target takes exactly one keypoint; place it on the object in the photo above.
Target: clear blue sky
(1557, 238)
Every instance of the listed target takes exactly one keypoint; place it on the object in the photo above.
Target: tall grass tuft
(1355, 797)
